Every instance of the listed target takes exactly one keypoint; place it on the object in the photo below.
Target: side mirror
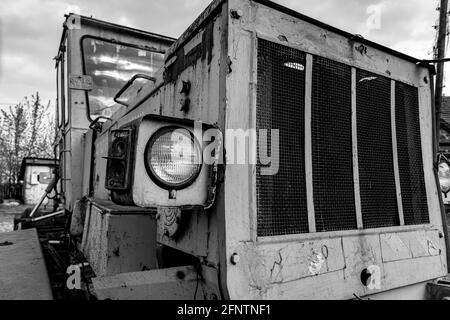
(444, 176)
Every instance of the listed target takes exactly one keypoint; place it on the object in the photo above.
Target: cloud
(30, 30)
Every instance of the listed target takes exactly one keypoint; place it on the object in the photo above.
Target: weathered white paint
(146, 193)
(77, 124)
(207, 97)
(223, 93)
(33, 189)
(177, 283)
(117, 243)
(359, 249)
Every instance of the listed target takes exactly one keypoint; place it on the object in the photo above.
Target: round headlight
(173, 157)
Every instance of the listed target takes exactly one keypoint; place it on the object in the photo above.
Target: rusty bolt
(235, 258)
(236, 14)
(185, 87)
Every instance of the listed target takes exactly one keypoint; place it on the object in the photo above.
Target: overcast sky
(30, 30)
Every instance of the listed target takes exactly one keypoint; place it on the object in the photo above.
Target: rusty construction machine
(261, 155)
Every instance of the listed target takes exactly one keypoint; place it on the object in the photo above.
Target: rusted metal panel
(78, 218)
(205, 74)
(99, 171)
(333, 267)
(277, 263)
(178, 283)
(388, 251)
(88, 147)
(219, 61)
(316, 40)
(193, 238)
(190, 32)
(405, 245)
(116, 243)
(34, 186)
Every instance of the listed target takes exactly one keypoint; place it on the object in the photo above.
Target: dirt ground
(7, 213)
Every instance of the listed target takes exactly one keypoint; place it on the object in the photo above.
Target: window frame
(112, 41)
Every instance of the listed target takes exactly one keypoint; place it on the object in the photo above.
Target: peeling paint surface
(316, 264)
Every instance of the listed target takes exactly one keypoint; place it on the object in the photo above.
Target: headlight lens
(173, 157)
(444, 176)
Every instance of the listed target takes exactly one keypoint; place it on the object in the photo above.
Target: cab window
(111, 65)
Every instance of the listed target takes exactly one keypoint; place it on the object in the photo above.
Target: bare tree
(27, 130)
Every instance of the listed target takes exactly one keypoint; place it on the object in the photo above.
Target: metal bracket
(80, 82)
(169, 221)
(96, 125)
(128, 84)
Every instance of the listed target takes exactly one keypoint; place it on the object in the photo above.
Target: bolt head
(235, 258)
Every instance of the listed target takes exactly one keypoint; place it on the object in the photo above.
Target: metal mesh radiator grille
(375, 159)
(331, 126)
(281, 198)
(414, 198)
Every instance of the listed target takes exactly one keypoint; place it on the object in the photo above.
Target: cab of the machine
(95, 60)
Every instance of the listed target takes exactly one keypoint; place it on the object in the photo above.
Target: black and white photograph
(240, 152)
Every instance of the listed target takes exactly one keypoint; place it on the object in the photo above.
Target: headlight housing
(173, 157)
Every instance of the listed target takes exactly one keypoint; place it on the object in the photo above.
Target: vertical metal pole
(440, 65)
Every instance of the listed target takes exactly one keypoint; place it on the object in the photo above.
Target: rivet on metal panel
(235, 258)
(184, 100)
(236, 14)
(361, 49)
(229, 63)
(185, 87)
(282, 38)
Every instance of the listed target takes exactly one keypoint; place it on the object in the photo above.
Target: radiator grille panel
(414, 198)
(281, 198)
(331, 125)
(375, 159)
